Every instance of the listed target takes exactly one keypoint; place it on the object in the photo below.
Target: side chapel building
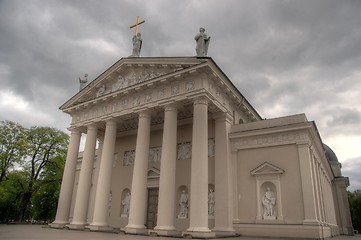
(173, 148)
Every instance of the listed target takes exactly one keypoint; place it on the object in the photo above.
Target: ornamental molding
(267, 168)
(123, 103)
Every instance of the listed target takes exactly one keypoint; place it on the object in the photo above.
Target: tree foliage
(32, 163)
(12, 146)
(354, 199)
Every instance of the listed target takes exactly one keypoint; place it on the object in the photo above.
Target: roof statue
(202, 43)
(137, 39)
(83, 82)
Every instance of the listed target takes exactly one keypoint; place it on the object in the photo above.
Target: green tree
(44, 146)
(11, 190)
(45, 200)
(354, 199)
(12, 146)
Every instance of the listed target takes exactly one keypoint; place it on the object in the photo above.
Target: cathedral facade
(174, 149)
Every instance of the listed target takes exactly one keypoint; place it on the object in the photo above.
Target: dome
(330, 155)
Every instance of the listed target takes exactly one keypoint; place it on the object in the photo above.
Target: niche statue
(269, 201)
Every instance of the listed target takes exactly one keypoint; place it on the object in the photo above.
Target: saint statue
(137, 44)
(211, 202)
(269, 201)
(202, 43)
(183, 205)
(126, 204)
(83, 82)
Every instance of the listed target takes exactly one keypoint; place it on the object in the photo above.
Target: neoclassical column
(104, 179)
(137, 211)
(67, 184)
(166, 202)
(308, 184)
(85, 180)
(223, 175)
(198, 217)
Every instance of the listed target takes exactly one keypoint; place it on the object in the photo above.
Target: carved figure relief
(161, 93)
(175, 90)
(190, 85)
(155, 154)
(101, 91)
(129, 157)
(148, 97)
(136, 100)
(184, 151)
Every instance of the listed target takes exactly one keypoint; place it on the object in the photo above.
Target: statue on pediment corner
(202, 43)
(83, 82)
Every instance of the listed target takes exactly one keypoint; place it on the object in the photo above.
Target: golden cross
(136, 25)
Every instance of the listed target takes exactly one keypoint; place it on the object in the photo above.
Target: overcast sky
(285, 57)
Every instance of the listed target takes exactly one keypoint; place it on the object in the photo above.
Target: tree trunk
(24, 213)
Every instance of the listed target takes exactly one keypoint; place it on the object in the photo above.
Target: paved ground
(38, 232)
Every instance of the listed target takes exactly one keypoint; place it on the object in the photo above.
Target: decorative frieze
(128, 99)
(184, 152)
(268, 140)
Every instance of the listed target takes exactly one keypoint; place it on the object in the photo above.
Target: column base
(165, 233)
(76, 226)
(135, 231)
(95, 228)
(193, 234)
(58, 225)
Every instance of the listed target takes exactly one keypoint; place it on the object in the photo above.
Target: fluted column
(166, 214)
(104, 178)
(223, 175)
(198, 224)
(67, 184)
(85, 179)
(137, 211)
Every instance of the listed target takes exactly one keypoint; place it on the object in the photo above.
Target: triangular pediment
(127, 73)
(267, 168)
(153, 173)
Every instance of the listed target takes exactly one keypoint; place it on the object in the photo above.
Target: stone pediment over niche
(267, 168)
(153, 173)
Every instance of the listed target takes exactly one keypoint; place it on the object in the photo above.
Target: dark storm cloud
(286, 57)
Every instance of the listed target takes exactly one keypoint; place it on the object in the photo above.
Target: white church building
(174, 149)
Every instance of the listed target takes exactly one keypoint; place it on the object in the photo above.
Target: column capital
(200, 100)
(110, 122)
(171, 107)
(92, 126)
(74, 130)
(145, 114)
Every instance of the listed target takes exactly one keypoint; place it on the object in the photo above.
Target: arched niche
(125, 203)
(183, 202)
